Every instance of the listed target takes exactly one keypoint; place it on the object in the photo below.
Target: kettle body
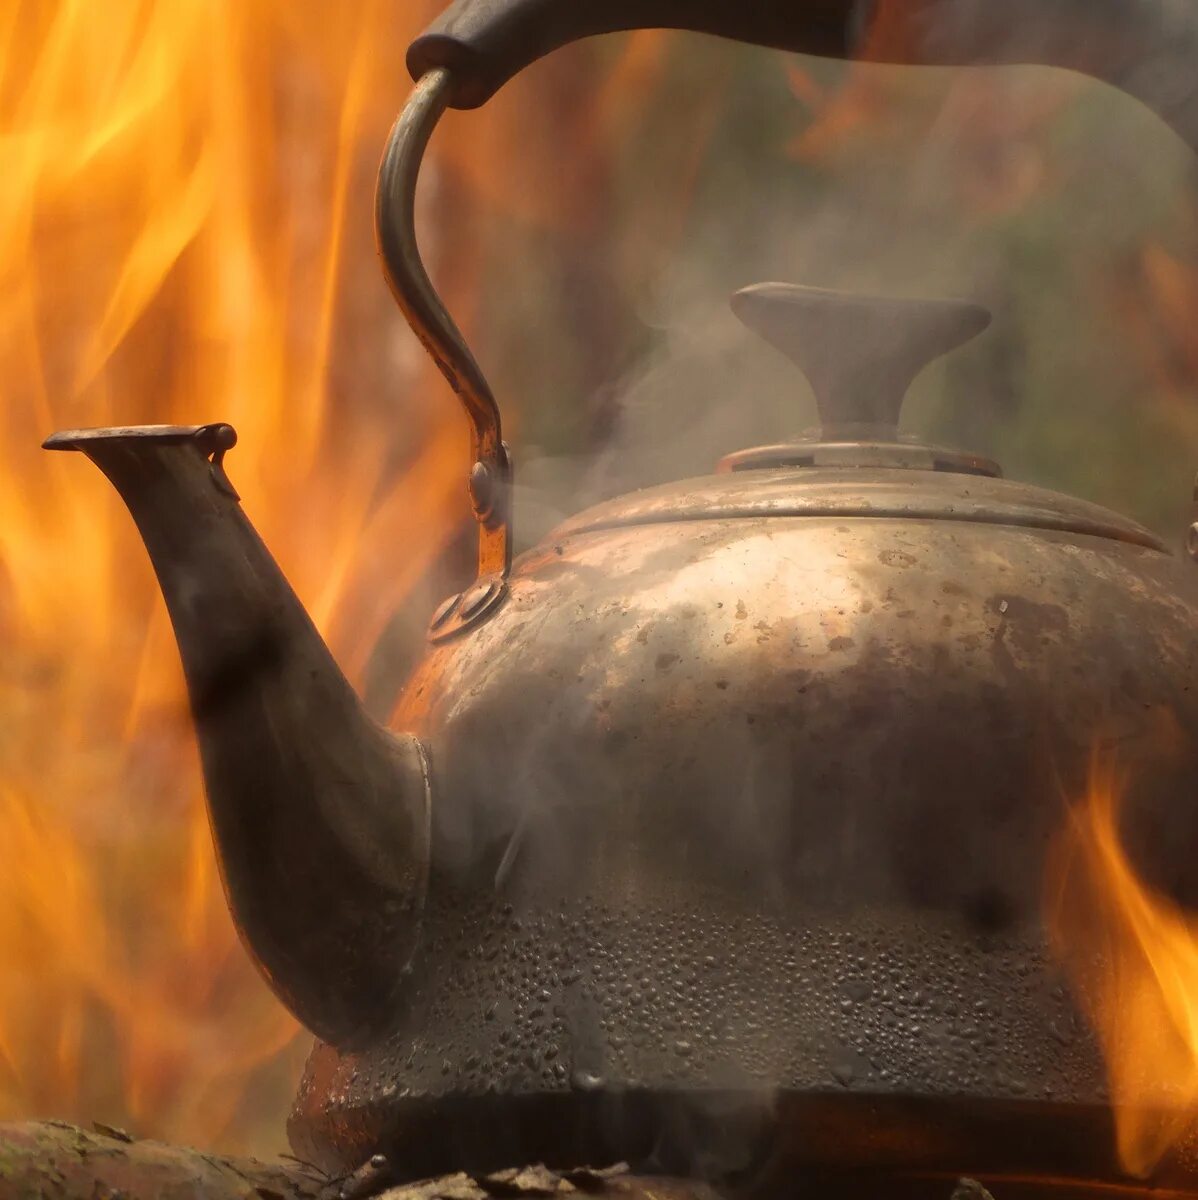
(746, 793)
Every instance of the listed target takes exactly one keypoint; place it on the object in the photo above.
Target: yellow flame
(184, 237)
(1133, 954)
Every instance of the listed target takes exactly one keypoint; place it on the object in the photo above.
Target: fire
(1133, 954)
(184, 237)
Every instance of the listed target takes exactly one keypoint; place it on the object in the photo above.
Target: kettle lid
(860, 353)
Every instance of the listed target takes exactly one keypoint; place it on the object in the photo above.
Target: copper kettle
(721, 813)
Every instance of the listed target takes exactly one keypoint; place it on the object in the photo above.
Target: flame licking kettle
(1133, 955)
(181, 237)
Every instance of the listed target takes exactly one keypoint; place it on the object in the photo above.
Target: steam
(1028, 189)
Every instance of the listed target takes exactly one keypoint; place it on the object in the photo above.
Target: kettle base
(757, 1142)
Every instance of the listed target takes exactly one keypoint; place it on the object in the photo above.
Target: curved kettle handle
(484, 43)
(1142, 46)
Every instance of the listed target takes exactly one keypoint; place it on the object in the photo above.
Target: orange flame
(185, 236)
(1133, 954)
(186, 203)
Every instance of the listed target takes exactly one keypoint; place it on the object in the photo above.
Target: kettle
(714, 826)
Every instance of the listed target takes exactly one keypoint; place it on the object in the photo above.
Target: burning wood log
(54, 1160)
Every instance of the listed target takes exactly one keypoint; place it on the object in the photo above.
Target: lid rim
(845, 493)
(1116, 533)
(859, 453)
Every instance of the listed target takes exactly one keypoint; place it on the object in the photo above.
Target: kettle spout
(320, 816)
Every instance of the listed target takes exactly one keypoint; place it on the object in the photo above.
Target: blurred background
(186, 236)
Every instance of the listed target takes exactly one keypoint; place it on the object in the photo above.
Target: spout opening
(212, 438)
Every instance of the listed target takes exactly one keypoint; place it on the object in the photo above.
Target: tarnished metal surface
(320, 817)
(883, 494)
(758, 805)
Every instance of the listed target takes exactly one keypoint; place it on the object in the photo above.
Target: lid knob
(859, 353)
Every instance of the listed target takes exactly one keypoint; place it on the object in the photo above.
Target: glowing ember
(1134, 956)
(187, 196)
